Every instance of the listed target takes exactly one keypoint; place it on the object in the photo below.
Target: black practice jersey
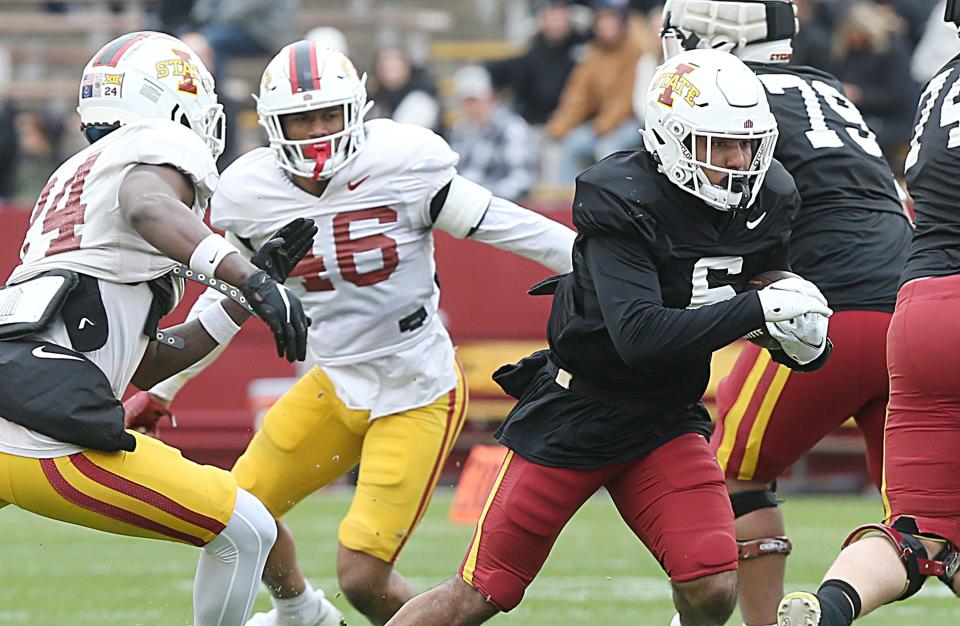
(933, 168)
(851, 237)
(654, 291)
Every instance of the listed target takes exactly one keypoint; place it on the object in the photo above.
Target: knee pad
(902, 534)
(744, 502)
(251, 530)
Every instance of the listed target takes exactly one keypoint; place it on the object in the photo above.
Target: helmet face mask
(147, 75)
(697, 104)
(304, 78)
(754, 30)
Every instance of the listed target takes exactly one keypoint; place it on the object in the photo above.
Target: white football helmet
(149, 75)
(758, 30)
(713, 95)
(306, 77)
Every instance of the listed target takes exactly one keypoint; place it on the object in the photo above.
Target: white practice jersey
(77, 225)
(369, 283)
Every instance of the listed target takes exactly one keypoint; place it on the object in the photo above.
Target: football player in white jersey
(386, 390)
(78, 314)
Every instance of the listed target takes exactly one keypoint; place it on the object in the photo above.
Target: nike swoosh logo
(41, 353)
(753, 224)
(84, 322)
(352, 186)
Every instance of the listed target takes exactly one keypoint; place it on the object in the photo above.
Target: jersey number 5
(820, 135)
(346, 249)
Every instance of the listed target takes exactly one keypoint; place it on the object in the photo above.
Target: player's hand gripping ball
(762, 336)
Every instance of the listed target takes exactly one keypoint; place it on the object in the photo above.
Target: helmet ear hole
(675, 128)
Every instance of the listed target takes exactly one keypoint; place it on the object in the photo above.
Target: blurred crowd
(530, 122)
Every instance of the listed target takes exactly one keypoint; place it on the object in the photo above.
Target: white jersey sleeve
(527, 233)
(76, 223)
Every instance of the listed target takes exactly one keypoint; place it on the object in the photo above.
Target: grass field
(599, 574)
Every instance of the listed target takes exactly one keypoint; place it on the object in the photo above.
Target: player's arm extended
(167, 389)
(155, 201)
(160, 362)
(642, 329)
(465, 209)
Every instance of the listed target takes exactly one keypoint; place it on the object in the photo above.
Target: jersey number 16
(312, 267)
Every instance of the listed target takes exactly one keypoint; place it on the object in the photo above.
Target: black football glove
(282, 311)
(284, 250)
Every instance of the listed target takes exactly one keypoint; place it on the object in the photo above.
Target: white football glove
(803, 338)
(791, 297)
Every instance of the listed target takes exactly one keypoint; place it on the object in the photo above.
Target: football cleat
(799, 608)
(327, 615)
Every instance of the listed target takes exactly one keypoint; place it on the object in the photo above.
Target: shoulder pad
(620, 196)
(779, 180)
(396, 147)
(162, 142)
(250, 183)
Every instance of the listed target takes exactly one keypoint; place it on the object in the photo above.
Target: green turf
(599, 574)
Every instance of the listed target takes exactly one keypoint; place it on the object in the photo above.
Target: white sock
(299, 610)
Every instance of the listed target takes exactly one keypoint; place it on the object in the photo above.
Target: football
(760, 336)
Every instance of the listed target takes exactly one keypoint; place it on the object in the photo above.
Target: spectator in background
(536, 77)
(811, 44)
(402, 92)
(172, 16)
(938, 45)
(914, 14)
(38, 155)
(649, 60)
(241, 28)
(329, 37)
(595, 116)
(494, 143)
(231, 105)
(871, 57)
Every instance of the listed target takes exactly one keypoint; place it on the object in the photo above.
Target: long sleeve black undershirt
(642, 329)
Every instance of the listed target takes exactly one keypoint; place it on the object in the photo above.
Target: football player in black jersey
(668, 237)
(850, 238)
(920, 532)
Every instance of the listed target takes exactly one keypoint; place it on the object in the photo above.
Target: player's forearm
(527, 233)
(161, 361)
(168, 388)
(646, 334)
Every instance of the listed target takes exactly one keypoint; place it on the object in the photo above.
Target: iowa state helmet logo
(183, 68)
(676, 83)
